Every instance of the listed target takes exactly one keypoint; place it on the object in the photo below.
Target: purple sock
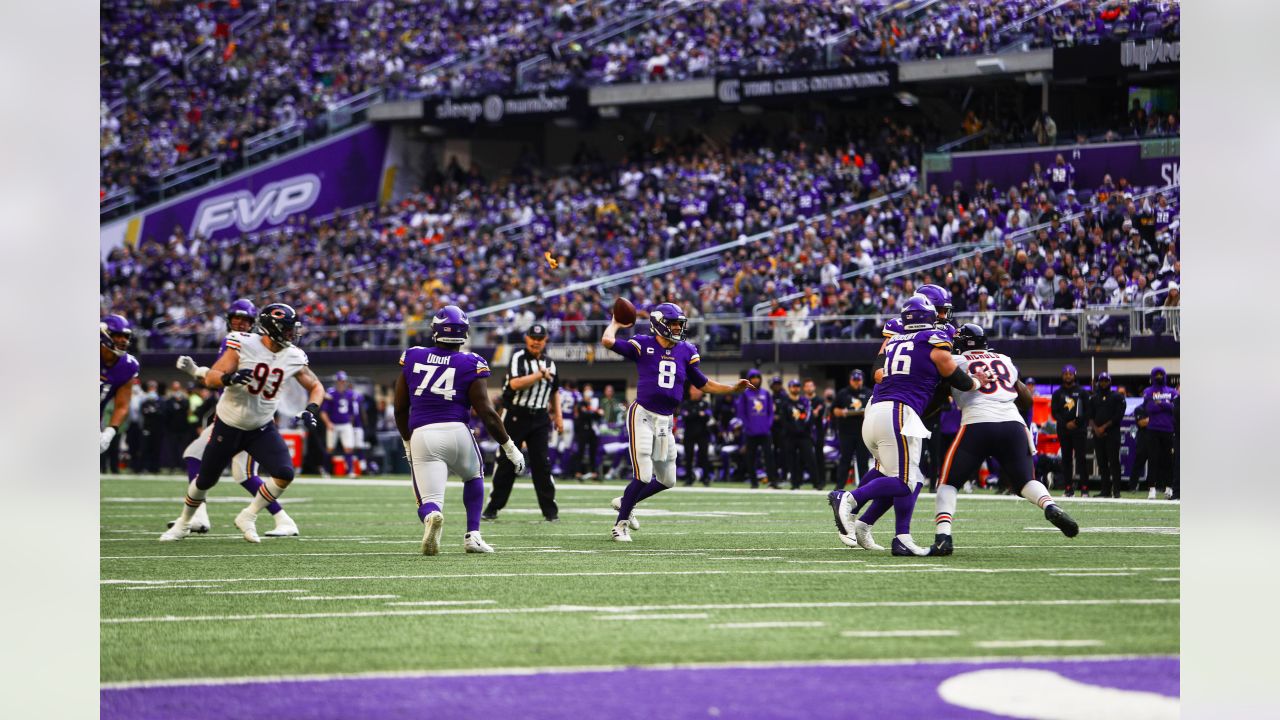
(351, 464)
(426, 509)
(473, 501)
(879, 507)
(872, 474)
(630, 497)
(902, 509)
(193, 468)
(251, 486)
(651, 488)
(881, 487)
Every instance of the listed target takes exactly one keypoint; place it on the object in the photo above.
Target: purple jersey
(662, 372)
(341, 406)
(110, 379)
(755, 408)
(910, 377)
(1158, 402)
(439, 380)
(1060, 177)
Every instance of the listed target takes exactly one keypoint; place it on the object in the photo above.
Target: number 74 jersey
(991, 401)
(253, 405)
(439, 380)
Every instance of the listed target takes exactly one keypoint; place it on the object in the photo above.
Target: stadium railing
(1106, 327)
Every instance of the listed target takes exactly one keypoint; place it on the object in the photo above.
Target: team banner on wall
(1106, 59)
(496, 109)
(342, 172)
(1143, 164)
(763, 88)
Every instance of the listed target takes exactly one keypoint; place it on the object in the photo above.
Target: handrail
(604, 26)
(947, 147)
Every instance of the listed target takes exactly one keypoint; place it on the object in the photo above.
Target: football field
(723, 594)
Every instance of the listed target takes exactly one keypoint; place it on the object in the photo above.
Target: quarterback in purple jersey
(436, 391)
(242, 315)
(665, 361)
(918, 359)
(116, 371)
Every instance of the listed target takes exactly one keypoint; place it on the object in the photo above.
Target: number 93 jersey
(661, 372)
(992, 401)
(253, 405)
(439, 380)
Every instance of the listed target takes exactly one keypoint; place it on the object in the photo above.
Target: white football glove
(105, 440)
(408, 454)
(513, 454)
(187, 365)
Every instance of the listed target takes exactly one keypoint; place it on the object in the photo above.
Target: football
(624, 312)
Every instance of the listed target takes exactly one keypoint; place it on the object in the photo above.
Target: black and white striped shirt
(538, 395)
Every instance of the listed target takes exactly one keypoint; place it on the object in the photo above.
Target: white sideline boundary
(615, 489)
(525, 671)
(562, 609)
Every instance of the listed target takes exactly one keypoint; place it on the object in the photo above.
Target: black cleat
(1062, 521)
(834, 499)
(488, 516)
(941, 545)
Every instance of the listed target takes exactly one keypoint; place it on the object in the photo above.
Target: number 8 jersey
(661, 372)
(439, 380)
(993, 401)
(253, 405)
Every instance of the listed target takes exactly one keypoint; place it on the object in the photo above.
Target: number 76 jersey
(439, 380)
(992, 401)
(253, 405)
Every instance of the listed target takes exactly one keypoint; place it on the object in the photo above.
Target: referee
(530, 389)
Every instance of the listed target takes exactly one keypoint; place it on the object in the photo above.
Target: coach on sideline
(530, 389)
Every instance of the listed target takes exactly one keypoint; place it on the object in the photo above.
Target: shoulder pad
(936, 338)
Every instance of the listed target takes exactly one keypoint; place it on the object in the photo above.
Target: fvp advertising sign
(342, 171)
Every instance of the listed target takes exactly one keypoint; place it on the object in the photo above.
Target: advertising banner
(1107, 59)
(343, 171)
(497, 109)
(794, 86)
(1144, 164)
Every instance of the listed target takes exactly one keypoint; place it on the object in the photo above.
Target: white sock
(194, 499)
(945, 508)
(1037, 494)
(272, 489)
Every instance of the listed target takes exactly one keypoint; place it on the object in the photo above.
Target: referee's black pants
(533, 431)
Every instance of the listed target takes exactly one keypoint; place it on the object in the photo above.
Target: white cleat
(862, 536)
(285, 526)
(620, 533)
(200, 520)
(432, 527)
(176, 532)
(905, 546)
(632, 522)
(1168, 493)
(246, 522)
(1151, 494)
(473, 543)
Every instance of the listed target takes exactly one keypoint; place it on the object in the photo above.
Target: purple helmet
(940, 297)
(661, 317)
(280, 323)
(242, 308)
(918, 313)
(340, 375)
(450, 326)
(115, 333)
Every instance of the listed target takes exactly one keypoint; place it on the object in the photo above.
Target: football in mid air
(624, 312)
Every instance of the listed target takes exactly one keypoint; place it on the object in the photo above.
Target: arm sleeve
(696, 376)
(629, 348)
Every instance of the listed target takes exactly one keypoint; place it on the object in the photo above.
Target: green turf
(766, 547)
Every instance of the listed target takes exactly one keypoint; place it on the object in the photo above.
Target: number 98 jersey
(993, 401)
(439, 380)
(253, 405)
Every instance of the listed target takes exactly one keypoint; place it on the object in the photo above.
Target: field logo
(273, 203)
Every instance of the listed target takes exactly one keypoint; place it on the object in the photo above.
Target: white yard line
(173, 587)
(525, 671)
(898, 633)
(762, 625)
(347, 597)
(438, 603)
(254, 592)
(562, 609)
(1002, 644)
(666, 616)
(1091, 574)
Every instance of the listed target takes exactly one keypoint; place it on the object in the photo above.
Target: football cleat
(632, 522)
(247, 521)
(285, 526)
(907, 547)
(1062, 521)
(1151, 494)
(200, 520)
(1168, 493)
(862, 536)
(473, 543)
(842, 508)
(941, 545)
(620, 533)
(489, 516)
(176, 531)
(432, 528)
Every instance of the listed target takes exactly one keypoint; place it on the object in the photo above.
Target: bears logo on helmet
(280, 323)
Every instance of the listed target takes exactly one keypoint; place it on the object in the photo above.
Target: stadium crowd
(188, 81)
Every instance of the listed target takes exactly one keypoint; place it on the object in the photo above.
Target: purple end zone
(827, 691)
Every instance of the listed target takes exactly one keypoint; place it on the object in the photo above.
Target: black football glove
(242, 376)
(310, 416)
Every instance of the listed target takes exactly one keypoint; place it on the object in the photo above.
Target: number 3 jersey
(661, 372)
(253, 405)
(438, 381)
(993, 401)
